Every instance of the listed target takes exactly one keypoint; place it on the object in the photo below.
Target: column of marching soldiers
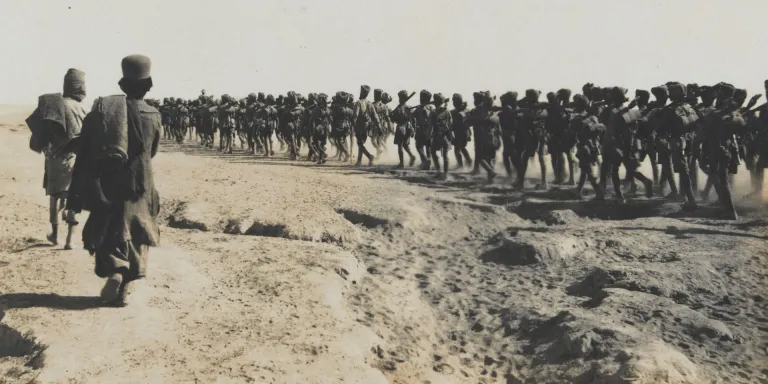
(685, 128)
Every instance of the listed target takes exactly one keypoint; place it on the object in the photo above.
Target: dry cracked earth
(273, 271)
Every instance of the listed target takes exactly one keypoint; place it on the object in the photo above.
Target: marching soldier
(461, 133)
(442, 135)
(363, 116)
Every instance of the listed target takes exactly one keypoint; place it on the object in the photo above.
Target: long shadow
(28, 247)
(693, 231)
(49, 300)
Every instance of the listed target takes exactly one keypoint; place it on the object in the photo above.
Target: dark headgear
(581, 100)
(740, 95)
(660, 92)
(458, 98)
(322, 98)
(532, 94)
(364, 89)
(642, 94)
(564, 94)
(386, 98)
(508, 98)
(260, 97)
(377, 93)
(438, 98)
(619, 94)
(425, 96)
(136, 67)
(677, 91)
(270, 100)
(74, 84)
(402, 95)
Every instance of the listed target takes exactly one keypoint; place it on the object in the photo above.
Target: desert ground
(272, 271)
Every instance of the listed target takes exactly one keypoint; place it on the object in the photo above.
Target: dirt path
(272, 271)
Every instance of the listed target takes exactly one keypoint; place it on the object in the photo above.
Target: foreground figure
(55, 123)
(116, 184)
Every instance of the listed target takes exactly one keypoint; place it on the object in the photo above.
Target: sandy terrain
(273, 271)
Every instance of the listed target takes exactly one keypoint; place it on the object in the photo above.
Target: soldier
(363, 116)
(715, 139)
(642, 135)
(377, 130)
(403, 120)
(321, 121)
(267, 117)
(422, 117)
(461, 133)
(533, 118)
(512, 153)
(120, 195)
(618, 144)
(487, 131)
(182, 121)
(761, 147)
(680, 128)
(341, 120)
(289, 121)
(55, 125)
(586, 129)
(660, 149)
(226, 113)
(442, 135)
(557, 130)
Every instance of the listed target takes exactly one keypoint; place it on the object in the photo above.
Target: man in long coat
(117, 186)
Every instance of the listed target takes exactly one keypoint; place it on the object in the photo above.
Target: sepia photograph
(384, 191)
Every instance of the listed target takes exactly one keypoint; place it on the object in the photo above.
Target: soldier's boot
(445, 163)
(459, 159)
(647, 183)
(489, 169)
(543, 167)
(571, 168)
(617, 184)
(412, 161)
(436, 161)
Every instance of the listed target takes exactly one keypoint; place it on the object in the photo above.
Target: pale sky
(238, 47)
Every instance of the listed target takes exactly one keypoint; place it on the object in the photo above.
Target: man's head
(677, 92)
(581, 102)
(586, 90)
(508, 99)
(707, 94)
(364, 91)
(739, 96)
(269, 100)
(402, 96)
(551, 98)
(725, 93)
(377, 94)
(425, 97)
(74, 84)
(386, 98)
(564, 95)
(618, 95)
(137, 80)
(321, 99)
(260, 97)
(532, 95)
(438, 99)
(642, 97)
(477, 99)
(661, 93)
(458, 101)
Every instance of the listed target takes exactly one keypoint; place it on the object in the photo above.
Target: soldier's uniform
(461, 133)
(487, 130)
(422, 118)
(320, 122)
(534, 135)
(289, 121)
(512, 146)
(442, 134)
(619, 144)
(403, 120)
(267, 116)
(342, 124)
(363, 116)
(586, 128)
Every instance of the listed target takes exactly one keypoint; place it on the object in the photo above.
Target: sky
(447, 46)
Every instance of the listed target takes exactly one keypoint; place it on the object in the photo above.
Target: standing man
(57, 120)
(363, 116)
(442, 135)
(402, 118)
(116, 185)
(462, 135)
